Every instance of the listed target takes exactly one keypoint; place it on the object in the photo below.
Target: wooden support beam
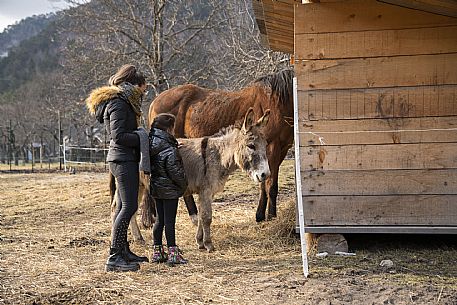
(373, 157)
(440, 7)
(377, 72)
(414, 210)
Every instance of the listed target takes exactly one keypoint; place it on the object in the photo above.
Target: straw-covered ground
(54, 238)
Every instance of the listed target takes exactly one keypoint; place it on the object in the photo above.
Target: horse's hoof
(194, 219)
(201, 246)
(271, 217)
(259, 218)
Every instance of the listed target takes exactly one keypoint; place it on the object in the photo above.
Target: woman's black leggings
(166, 217)
(126, 174)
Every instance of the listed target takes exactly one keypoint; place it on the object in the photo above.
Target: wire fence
(83, 157)
(69, 159)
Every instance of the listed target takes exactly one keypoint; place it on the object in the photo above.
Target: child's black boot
(132, 257)
(118, 263)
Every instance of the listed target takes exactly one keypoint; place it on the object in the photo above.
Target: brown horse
(202, 112)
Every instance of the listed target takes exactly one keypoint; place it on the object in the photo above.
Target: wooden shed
(376, 111)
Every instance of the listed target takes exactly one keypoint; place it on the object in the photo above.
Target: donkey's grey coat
(207, 171)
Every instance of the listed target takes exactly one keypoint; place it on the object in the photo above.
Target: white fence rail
(83, 155)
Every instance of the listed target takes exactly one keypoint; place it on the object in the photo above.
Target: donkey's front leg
(199, 235)
(207, 216)
(204, 222)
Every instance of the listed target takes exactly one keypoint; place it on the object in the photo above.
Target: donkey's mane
(226, 130)
(280, 84)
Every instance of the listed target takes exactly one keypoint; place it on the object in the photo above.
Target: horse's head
(251, 153)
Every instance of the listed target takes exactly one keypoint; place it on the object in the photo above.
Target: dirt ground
(54, 240)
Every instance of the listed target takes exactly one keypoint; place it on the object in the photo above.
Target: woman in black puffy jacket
(118, 106)
(168, 183)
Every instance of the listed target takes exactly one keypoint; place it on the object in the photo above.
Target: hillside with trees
(23, 30)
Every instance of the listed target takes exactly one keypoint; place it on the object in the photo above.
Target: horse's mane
(280, 84)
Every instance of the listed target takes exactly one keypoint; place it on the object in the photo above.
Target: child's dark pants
(166, 217)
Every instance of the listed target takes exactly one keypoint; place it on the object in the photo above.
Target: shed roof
(276, 23)
(275, 18)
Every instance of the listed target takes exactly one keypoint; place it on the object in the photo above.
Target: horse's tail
(148, 205)
(112, 196)
(148, 214)
(112, 188)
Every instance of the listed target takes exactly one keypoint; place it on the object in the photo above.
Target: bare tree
(209, 42)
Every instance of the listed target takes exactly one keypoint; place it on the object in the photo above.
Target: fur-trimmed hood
(101, 95)
(98, 98)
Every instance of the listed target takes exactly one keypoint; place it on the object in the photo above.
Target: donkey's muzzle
(262, 176)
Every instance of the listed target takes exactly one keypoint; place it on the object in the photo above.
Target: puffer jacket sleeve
(119, 134)
(175, 169)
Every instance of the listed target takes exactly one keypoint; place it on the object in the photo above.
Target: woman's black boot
(132, 257)
(118, 262)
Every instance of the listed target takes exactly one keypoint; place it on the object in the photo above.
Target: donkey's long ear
(248, 120)
(264, 119)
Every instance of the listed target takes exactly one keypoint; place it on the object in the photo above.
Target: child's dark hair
(164, 121)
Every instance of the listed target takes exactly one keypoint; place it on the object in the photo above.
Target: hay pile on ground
(54, 239)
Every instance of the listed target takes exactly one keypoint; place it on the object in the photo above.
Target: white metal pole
(64, 156)
(298, 182)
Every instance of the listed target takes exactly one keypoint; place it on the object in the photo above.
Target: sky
(12, 11)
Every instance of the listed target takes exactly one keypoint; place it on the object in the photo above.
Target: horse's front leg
(262, 207)
(137, 237)
(134, 228)
(269, 188)
(272, 186)
(267, 196)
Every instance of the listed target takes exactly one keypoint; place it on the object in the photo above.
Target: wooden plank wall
(377, 92)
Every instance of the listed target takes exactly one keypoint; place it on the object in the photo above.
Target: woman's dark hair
(164, 121)
(129, 74)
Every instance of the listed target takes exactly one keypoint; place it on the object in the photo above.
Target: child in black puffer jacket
(168, 183)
